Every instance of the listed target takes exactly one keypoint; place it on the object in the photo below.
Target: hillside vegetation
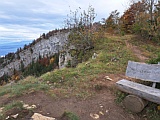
(112, 57)
(84, 80)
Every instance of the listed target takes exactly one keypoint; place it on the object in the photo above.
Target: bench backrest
(142, 71)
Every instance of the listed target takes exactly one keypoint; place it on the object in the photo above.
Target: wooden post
(134, 103)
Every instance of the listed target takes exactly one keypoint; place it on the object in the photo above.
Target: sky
(26, 20)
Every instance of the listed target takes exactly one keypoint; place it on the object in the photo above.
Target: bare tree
(79, 23)
(80, 26)
(151, 6)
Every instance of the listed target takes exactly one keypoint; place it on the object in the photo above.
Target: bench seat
(143, 91)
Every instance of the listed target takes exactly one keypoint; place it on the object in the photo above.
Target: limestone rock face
(38, 116)
(45, 47)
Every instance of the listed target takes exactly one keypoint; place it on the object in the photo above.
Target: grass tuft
(152, 112)
(120, 96)
(14, 104)
(70, 116)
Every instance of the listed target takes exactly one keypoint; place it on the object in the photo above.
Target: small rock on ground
(38, 116)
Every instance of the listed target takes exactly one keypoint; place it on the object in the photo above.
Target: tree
(157, 13)
(25, 47)
(132, 15)
(141, 18)
(112, 21)
(146, 19)
(150, 6)
(80, 26)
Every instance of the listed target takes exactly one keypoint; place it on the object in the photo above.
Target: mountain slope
(84, 90)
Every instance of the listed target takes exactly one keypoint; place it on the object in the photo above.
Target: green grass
(152, 112)
(154, 60)
(70, 116)
(27, 85)
(149, 48)
(4, 90)
(12, 105)
(59, 75)
(120, 96)
(113, 57)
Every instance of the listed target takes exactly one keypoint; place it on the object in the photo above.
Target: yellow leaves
(51, 60)
(15, 77)
(158, 107)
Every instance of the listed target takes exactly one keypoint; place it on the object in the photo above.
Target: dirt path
(102, 103)
(136, 51)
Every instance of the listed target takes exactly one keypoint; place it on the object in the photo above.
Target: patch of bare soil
(136, 51)
(102, 104)
(4, 100)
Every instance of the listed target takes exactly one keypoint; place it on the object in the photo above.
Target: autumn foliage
(142, 17)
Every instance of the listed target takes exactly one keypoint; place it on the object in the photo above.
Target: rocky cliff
(46, 46)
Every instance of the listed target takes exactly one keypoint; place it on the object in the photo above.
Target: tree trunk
(134, 103)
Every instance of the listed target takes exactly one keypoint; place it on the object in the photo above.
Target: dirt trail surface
(101, 104)
(136, 51)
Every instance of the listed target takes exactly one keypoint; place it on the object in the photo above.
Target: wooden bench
(140, 93)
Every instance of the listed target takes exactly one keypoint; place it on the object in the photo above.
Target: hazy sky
(27, 19)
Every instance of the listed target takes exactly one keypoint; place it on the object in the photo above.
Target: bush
(136, 28)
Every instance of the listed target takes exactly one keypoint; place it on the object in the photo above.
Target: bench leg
(134, 103)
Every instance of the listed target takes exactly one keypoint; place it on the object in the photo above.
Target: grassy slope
(149, 49)
(113, 56)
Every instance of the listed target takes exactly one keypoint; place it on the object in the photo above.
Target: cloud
(27, 19)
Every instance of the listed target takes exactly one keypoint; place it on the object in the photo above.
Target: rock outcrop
(44, 47)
